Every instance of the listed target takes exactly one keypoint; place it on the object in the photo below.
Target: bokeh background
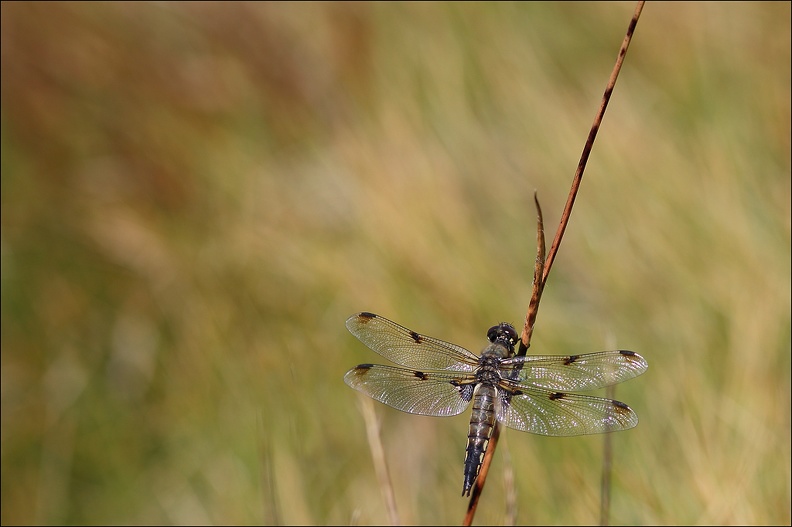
(195, 196)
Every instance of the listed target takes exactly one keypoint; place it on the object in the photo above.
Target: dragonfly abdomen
(482, 422)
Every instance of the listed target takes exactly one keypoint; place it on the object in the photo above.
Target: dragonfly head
(503, 333)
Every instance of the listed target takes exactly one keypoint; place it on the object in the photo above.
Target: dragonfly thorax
(487, 372)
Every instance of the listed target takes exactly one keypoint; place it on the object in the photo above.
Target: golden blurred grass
(196, 196)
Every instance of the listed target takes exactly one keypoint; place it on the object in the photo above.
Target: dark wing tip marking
(557, 395)
(362, 369)
(365, 316)
(569, 360)
(417, 337)
(621, 407)
(631, 355)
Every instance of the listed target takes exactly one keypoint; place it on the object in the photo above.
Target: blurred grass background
(196, 196)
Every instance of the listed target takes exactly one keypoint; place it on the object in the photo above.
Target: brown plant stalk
(543, 266)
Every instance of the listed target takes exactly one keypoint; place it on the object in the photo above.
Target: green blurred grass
(196, 196)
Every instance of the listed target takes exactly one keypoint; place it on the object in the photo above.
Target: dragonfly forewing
(574, 372)
(407, 347)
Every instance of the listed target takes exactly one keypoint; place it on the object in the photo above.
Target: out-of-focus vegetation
(196, 196)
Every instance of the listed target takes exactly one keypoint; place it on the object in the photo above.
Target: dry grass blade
(378, 456)
(607, 463)
(509, 489)
(539, 283)
(269, 495)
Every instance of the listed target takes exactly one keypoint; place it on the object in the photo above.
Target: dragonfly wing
(574, 372)
(550, 413)
(424, 393)
(407, 347)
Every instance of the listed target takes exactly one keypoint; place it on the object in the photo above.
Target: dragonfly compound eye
(493, 332)
(510, 332)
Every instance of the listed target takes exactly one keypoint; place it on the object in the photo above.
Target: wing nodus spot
(421, 375)
(416, 337)
(556, 396)
(569, 360)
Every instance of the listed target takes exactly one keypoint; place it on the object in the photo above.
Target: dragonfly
(530, 393)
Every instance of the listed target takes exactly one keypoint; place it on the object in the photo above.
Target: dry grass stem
(540, 281)
(378, 456)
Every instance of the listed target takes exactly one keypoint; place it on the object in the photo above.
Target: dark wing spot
(621, 407)
(465, 391)
(365, 316)
(569, 360)
(421, 375)
(631, 356)
(557, 395)
(416, 337)
(362, 369)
